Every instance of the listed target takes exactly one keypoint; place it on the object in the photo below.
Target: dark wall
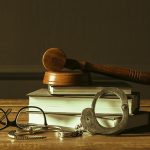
(115, 32)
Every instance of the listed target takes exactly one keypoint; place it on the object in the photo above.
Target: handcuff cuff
(88, 119)
(30, 132)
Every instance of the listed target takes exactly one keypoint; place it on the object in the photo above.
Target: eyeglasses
(30, 125)
(22, 118)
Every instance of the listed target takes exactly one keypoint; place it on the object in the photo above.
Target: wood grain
(137, 140)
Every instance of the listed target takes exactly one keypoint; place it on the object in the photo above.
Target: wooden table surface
(126, 141)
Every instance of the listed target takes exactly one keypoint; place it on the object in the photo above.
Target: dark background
(115, 32)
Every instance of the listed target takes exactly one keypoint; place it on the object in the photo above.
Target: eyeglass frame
(14, 122)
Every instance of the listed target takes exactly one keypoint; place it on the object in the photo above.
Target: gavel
(54, 59)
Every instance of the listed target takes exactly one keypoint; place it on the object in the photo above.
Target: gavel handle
(112, 71)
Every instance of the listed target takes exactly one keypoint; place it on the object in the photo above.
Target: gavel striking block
(54, 59)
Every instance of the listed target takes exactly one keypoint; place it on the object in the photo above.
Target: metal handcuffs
(88, 117)
(30, 132)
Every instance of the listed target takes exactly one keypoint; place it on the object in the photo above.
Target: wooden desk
(86, 142)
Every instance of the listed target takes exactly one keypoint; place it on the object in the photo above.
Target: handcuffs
(89, 122)
(88, 117)
(30, 132)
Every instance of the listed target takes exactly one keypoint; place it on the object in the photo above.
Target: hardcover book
(75, 104)
(89, 89)
(69, 120)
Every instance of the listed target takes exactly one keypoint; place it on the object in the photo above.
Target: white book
(89, 90)
(75, 104)
(68, 120)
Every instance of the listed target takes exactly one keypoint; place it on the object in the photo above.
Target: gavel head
(54, 59)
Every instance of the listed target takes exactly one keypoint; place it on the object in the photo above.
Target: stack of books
(63, 105)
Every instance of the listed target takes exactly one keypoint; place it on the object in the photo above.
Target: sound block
(67, 78)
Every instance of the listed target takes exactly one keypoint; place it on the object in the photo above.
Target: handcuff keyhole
(87, 119)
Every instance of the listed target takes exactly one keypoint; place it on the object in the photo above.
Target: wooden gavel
(54, 59)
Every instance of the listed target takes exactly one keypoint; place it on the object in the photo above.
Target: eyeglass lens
(25, 117)
(3, 119)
